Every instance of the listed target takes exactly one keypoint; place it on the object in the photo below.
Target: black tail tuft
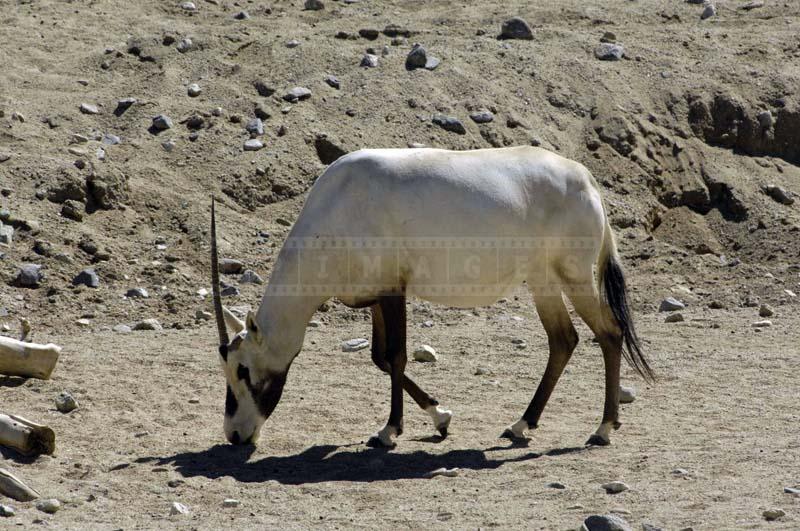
(616, 295)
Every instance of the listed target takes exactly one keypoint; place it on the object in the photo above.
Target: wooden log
(13, 487)
(25, 436)
(31, 360)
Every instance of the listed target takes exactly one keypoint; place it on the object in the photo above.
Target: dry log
(31, 360)
(25, 436)
(13, 487)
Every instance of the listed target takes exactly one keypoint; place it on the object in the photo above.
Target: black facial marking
(230, 403)
(268, 398)
(243, 373)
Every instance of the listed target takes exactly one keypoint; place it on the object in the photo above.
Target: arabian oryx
(461, 228)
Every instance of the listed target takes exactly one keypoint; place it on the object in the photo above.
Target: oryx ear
(252, 327)
(233, 322)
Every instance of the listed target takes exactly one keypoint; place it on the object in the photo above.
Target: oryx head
(253, 389)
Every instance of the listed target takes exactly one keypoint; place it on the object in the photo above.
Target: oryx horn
(223, 332)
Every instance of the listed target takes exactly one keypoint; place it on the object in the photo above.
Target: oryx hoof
(597, 440)
(444, 425)
(376, 442)
(509, 434)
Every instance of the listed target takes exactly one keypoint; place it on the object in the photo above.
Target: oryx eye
(243, 373)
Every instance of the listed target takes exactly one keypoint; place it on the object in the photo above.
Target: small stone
(148, 324)
(481, 371)
(608, 37)
(7, 510)
(314, 5)
(202, 315)
(449, 123)
(253, 144)
(353, 345)
(369, 61)
(137, 293)
(676, 317)
(670, 305)
(194, 90)
(230, 266)
(446, 472)
(297, 94)
(418, 58)
(72, 209)
(426, 354)
(88, 108)
(482, 117)
(188, 6)
(516, 28)
(122, 329)
(255, 127)
(766, 119)
(29, 276)
(88, 277)
(251, 277)
(5, 156)
(168, 145)
(556, 485)
(773, 514)
(708, 11)
(123, 105)
(242, 15)
(606, 522)
(607, 51)
(778, 194)
(111, 140)
(229, 503)
(615, 487)
(65, 402)
(229, 290)
(762, 324)
(680, 472)
(294, 43)
(6, 234)
(178, 508)
(369, 33)
(49, 506)
(766, 311)
(314, 324)
(162, 122)
(428, 323)
(333, 81)
(626, 394)
(175, 483)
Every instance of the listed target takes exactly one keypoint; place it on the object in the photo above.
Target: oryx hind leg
(562, 339)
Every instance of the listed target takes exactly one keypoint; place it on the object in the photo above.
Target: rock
(446, 472)
(766, 119)
(670, 305)
(615, 487)
(297, 94)
(606, 522)
(88, 108)
(294, 43)
(168, 145)
(230, 266)
(65, 402)
(626, 394)
(186, 45)
(6, 511)
(369, 33)
(6, 234)
(607, 51)
(162, 122)
(29, 276)
(369, 61)
(313, 5)
(482, 117)
(88, 277)
(418, 58)
(255, 127)
(314, 324)
(766, 311)
(762, 324)
(229, 290)
(708, 11)
(137, 293)
(251, 277)
(556, 485)
(333, 81)
(327, 150)
(178, 508)
(229, 503)
(72, 209)
(123, 105)
(778, 194)
(353, 345)
(5, 156)
(111, 140)
(481, 371)
(449, 123)
(253, 144)
(676, 317)
(194, 90)
(263, 88)
(426, 353)
(202, 315)
(773, 514)
(188, 6)
(608, 37)
(515, 28)
(49, 506)
(122, 329)
(148, 324)
(242, 15)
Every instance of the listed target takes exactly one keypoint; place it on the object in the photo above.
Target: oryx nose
(235, 439)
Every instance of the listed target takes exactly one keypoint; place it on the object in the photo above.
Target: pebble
(766, 311)
(482, 117)
(49, 506)
(481, 371)
(762, 324)
(670, 305)
(230, 502)
(231, 266)
(608, 36)
(446, 472)
(676, 317)
(253, 144)
(72, 209)
(708, 11)
(428, 323)
(766, 119)
(607, 51)
(137, 293)
(294, 43)
(162, 122)
(314, 324)
(426, 354)
(242, 15)
(353, 345)
(251, 277)
(185, 45)
(778, 194)
(148, 324)
(606, 522)
(168, 145)
(88, 277)
(122, 329)
(188, 6)
(449, 123)
(229, 291)
(297, 94)
(123, 105)
(680, 472)
(202, 315)
(83, 322)
(369, 61)
(111, 140)
(650, 527)
(615, 487)
(6, 234)
(7, 510)
(255, 127)
(333, 81)
(626, 394)
(194, 90)
(88, 108)
(65, 402)
(5, 156)
(556, 485)
(516, 28)
(314, 5)
(178, 508)
(773, 514)
(418, 58)
(29, 275)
